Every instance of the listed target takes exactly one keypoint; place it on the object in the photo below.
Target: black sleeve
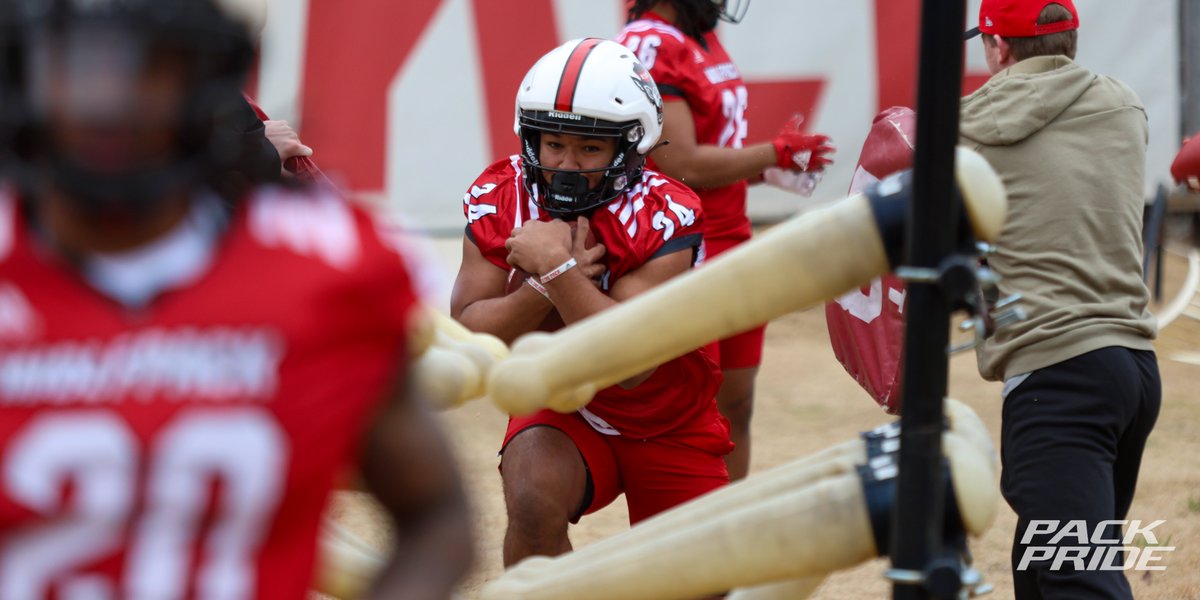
(680, 243)
(666, 89)
(257, 158)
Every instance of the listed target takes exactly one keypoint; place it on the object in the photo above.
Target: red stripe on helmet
(565, 99)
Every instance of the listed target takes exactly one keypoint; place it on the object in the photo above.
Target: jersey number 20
(97, 455)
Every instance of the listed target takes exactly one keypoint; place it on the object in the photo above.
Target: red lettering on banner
(774, 102)
(897, 44)
(896, 41)
(512, 35)
(351, 58)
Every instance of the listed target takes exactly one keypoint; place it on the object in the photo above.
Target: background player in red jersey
(587, 115)
(704, 123)
(184, 375)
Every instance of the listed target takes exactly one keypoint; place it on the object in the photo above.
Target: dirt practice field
(806, 402)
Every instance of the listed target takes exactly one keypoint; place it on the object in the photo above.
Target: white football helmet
(589, 87)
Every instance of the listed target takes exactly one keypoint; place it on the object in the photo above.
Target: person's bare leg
(544, 483)
(735, 399)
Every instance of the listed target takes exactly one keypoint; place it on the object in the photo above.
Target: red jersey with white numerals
(655, 217)
(700, 73)
(187, 449)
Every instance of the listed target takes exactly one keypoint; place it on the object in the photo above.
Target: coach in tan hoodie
(1082, 389)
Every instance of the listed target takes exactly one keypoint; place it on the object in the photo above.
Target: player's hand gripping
(799, 151)
(286, 140)
(539, 247)
(588, 259)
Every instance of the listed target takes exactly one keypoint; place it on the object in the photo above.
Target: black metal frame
(1153, 218)
(917, 537)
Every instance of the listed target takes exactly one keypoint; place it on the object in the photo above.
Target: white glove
(797, 182)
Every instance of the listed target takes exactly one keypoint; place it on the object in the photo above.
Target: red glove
(1186, 168)
(799, 151)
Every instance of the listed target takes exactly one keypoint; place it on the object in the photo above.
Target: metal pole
(918, 511)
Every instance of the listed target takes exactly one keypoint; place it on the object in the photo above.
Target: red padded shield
(866, 326)
(1186, 166)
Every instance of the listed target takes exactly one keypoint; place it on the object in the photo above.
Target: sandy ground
(806, 403)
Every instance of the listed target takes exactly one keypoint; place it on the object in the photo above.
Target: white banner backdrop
(445, 112)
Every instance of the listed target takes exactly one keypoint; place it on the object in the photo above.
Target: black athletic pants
(1071, 439)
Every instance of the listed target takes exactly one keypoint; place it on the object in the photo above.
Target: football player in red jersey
(184, 376)
(704, 125)
(588, 113)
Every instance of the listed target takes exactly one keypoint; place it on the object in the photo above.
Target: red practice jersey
(700, 73)
(187, 449)
(655, 217)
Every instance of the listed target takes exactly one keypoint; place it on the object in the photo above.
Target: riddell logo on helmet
(530, 154)
(562, 115)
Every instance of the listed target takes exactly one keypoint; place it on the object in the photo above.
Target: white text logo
(1075, 546)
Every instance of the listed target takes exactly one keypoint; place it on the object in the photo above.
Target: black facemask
(564, 187)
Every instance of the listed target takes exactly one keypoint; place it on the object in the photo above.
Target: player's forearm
(507, 317)
(409, 468)
(706, 167)
(431, 559)
(576, 299)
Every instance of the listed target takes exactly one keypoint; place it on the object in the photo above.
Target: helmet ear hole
(618, 101)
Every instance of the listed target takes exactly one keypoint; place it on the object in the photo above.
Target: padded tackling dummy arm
(804, 261)
(795, 589)
(455, 363)
(803, 520)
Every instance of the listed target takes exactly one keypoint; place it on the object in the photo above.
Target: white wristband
(559, 270)
(533, 283)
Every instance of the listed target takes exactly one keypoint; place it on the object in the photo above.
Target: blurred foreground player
(705, 125)
(587, 115)
(182, 376)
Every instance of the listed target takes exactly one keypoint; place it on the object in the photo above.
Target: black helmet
(697, 17)
(146, 87)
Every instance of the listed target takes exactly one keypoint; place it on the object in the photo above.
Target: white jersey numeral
(684, 215)
(97, 453)
(867, 307)
(663, 223)
(646, 48)
(733, 107)
(478, 210)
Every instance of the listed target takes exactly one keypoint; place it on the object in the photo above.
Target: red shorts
(742, 350)
(655, 474)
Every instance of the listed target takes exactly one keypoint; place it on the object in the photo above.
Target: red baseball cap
(1018, 18)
